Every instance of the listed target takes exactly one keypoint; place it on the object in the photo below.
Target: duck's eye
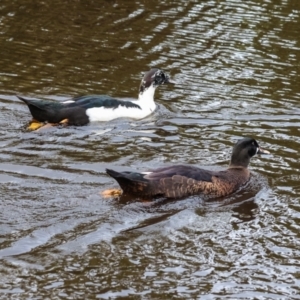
(160, 78)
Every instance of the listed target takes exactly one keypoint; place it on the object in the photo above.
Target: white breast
(145, 101)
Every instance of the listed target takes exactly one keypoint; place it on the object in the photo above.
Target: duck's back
(104, 101)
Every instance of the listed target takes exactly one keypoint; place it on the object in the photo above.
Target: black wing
(100, 101)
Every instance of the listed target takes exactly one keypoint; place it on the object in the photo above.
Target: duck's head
(154, 78)
(243, 150)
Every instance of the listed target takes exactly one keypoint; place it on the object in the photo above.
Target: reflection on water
(236, 65)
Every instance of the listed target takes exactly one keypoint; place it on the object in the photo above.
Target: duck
(82, 110)
(180, 181)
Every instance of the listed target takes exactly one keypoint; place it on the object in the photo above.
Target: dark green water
(237, 66)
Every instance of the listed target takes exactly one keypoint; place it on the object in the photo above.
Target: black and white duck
(84, 109)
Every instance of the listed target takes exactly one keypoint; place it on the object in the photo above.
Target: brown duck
(179, 181)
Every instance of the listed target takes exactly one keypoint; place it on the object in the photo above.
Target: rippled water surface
(236, 64)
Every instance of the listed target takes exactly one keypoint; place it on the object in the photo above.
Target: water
(236, 64)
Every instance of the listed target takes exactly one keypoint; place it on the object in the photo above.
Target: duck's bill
(169, 81)
(262, 151)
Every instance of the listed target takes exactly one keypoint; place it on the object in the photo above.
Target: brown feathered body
(181, 181)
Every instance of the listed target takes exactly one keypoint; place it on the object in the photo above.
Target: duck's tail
(40, 104)
(130, 183)
(23, 99)
(45, 110)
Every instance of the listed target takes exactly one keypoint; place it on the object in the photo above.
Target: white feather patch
(145, 101)
(68, 101)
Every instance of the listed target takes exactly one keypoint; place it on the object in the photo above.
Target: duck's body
(181, 181)
(85, 109)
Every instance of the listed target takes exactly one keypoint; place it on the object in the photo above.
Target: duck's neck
(232, 166)
(239, 162)
(147, 94)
